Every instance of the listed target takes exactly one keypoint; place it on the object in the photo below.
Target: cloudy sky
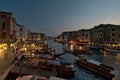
(55, 16)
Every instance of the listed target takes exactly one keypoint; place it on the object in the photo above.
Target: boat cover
(94, 62)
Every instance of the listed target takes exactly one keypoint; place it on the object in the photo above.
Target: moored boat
(96, 67)
(112, 50)
(75, 52)
(61, 69)
(92, 47)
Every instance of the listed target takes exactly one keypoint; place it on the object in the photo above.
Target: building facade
(37, 36)
(7, 27)
(106, 35)
(22, 32)
(85, 35)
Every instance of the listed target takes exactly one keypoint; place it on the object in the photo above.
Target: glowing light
(33, 44)
(71, 42)
(3, 46)
(1, 50)
(71, 47)
(45, 42)
(81, 48)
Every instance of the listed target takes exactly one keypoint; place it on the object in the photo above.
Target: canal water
(111, 59)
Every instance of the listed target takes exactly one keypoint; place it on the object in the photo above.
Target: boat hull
(96, 69)
(112, 50)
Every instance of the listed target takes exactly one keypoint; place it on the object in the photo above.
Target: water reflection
(108, 58)
(73, 47)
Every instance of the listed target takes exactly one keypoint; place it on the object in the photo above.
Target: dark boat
(75, 52)
(64, 70)
(92, 47)
(96, 67)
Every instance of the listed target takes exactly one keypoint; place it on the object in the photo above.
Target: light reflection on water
(111, 59)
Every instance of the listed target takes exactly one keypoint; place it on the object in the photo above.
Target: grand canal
(111, 59)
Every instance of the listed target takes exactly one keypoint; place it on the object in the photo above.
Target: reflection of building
(7, 27)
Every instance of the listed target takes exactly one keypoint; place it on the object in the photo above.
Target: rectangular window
(113, 34)
(3, 25)
(11, 36)
(113, 29)
(3, 16)
(3, 35)
(21, 34)
(113, 40)
(21, 29)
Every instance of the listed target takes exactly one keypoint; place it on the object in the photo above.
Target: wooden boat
(94, 47)
(96, 67)
(62, 69)
(87, 52)
(66, 71)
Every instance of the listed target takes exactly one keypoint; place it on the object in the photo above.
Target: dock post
(20, 68)
(54, 71)
(39, 68)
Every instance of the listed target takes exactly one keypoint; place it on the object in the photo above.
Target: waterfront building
(107, 35)
(22, 32)
(37, 36)
(82, 36)
(63, 37)
(68, 36)
(7, 39)
(85, 36)
(7, 27)
(7, 32)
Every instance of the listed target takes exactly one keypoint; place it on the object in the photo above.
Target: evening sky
(55, 16)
